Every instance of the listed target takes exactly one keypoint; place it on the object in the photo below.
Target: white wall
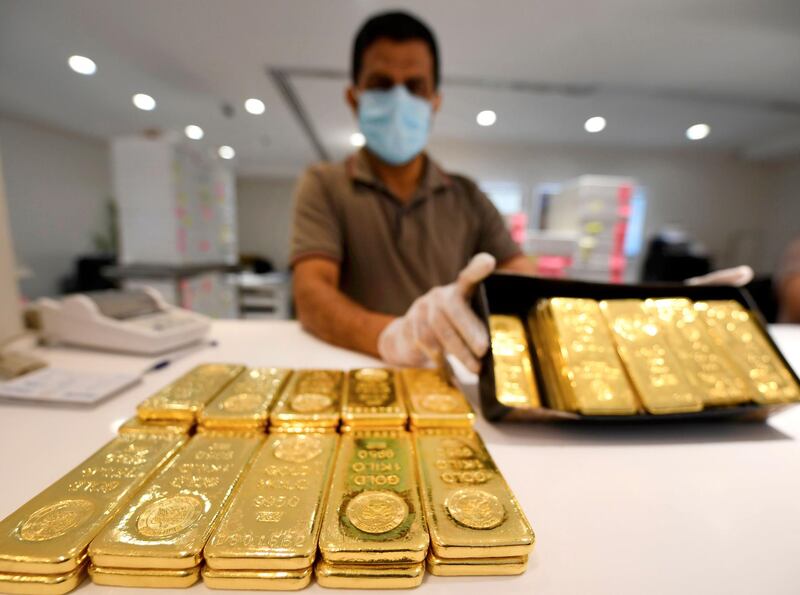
(56, 183)
(719, 199)
(264, 212)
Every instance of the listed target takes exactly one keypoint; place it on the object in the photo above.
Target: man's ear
(436, 102)
(350, 97)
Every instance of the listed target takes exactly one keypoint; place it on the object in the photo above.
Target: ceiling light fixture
(254, 106)
(357, 139)
(82, 65)
(194, 132)
(595, 124)
(144, 102)
(486, 118)
(698, 131)
(226, 152)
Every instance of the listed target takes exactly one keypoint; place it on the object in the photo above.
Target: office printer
(134, 321)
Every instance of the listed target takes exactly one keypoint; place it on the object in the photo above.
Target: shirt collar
(434, 178)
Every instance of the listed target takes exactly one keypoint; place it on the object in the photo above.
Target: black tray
(505, 293)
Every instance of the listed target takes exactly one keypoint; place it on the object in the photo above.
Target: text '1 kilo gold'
(245, 403)
(514, 381)
(433, 401)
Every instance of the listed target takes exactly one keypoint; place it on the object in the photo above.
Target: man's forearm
(327, 313)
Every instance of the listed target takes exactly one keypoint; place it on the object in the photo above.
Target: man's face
(387, 63)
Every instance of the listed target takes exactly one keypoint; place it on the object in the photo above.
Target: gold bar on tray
(586, 367)
(515, 385)
(738, 333)
(652, 364)
(184, 398)
(372, 399)
(433, 401)
(373, 514)
(257, 580)
(42, 584)
(469, 509)
(312, 399)
(709, 369)
(509, 566)
(147, 578)
(245, 403)
(273, 522)
(169, 521)
(50, 534)
(169, 427)
(369, 576)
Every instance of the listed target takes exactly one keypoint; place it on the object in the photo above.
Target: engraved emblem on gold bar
(653, 366)
(433, 401)
(742, 338)
(582, 369)
(171, 518)
(50, 533)
(469, 508)
(373, 513)
(515, 385)
(273, 522)
(184, 398)
(245, 402)
(709, 369)
(169, 427)
(372, 399)
(312, 399)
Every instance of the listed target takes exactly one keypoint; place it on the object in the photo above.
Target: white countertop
(700, 508)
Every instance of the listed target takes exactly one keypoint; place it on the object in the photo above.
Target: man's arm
(326, 312)
(789, 299)
(518, 264)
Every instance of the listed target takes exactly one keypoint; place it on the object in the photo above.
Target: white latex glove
(736, 276)
(439, 323)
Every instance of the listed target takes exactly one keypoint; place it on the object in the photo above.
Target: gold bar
(433, 401)
(372, 576)
(591, 377)
(50, 533)
(245, 402)
(515, 385)
(711, 372)
(171, 518)
(184, 398)
(551, 364)
(373, 512)
(744, 340)
(509, 566)
(148, 578)
(257, 580)
(42, 584)
(469, 509)
(169, 427)
(312, 399)
(654, 368)
(273, 522)
(372, 400)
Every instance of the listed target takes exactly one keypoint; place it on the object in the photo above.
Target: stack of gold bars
(630, 356)
(241, 477)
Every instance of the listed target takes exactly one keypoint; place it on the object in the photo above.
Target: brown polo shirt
(392, 252)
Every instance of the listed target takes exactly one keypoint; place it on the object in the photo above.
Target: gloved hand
(439, 323)
(736, 276)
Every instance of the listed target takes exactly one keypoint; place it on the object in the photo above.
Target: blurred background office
(157, 143)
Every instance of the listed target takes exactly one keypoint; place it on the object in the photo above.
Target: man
(387, 247)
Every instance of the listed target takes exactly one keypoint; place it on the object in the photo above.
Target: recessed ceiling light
(595, 124)
(144, 102)
(698, 131)
(254, 106)
(194, 132)
(486, 118)
(226, 152)
(357, 139)
(82, 65)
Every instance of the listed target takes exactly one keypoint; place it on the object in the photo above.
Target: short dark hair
(397, 26)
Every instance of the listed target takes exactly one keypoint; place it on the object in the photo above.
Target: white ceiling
(653, 67)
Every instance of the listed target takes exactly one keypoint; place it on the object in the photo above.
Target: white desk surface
(710, 508)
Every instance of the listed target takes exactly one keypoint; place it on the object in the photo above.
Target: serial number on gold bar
(433, 401)
(515, 384)
(373, 400)
(312, 399)
(184, 398)
(171, 518)
(245, 402)
(274, 520)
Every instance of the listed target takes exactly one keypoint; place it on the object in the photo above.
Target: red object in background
(553, 267)
(518, 225)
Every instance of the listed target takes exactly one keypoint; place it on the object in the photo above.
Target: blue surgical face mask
(395, 123)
